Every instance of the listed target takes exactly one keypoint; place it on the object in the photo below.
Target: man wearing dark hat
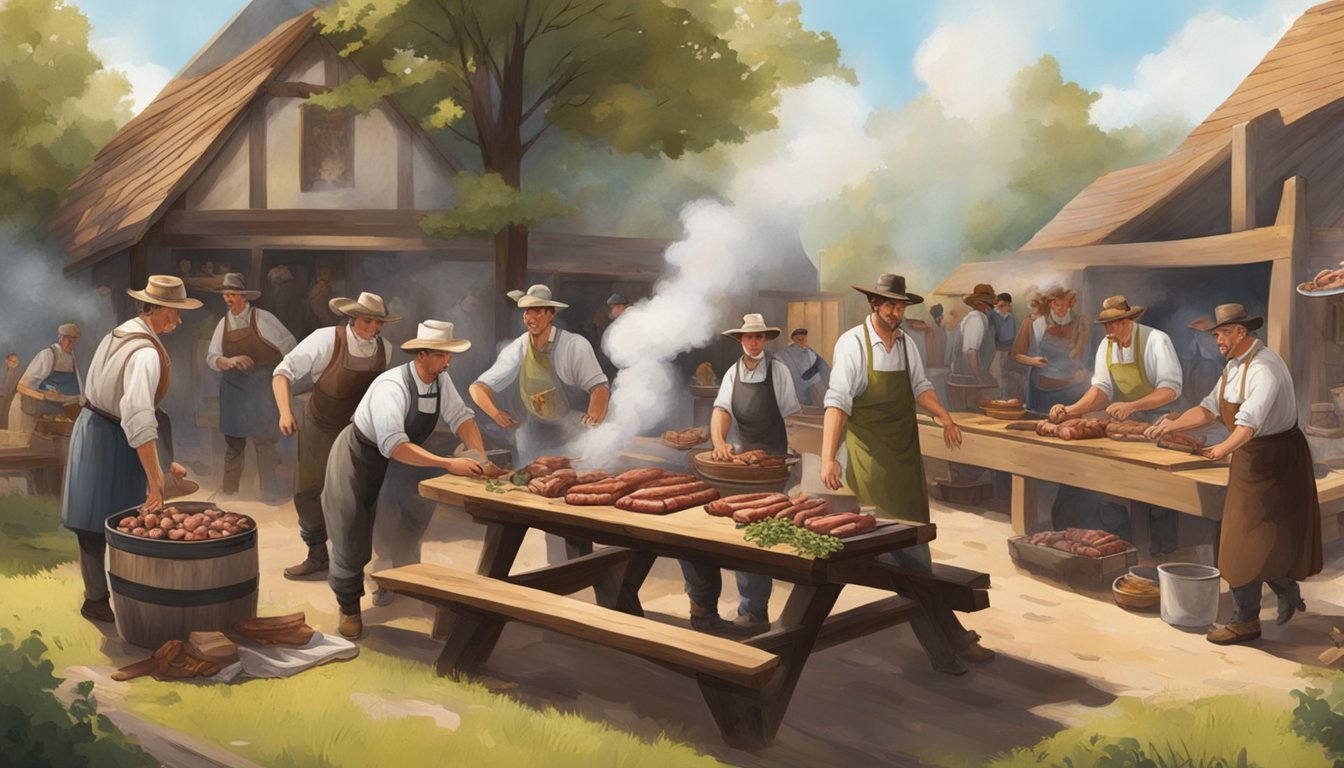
(114, 457)
(1271, 525)
(392, 421)
(810, 373)
(973, 349)
(617, 303)
(876, 383)
(247, 345)
(339, 363)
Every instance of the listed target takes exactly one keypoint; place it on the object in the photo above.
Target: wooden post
(256, 155)
(1244, 175)
(1023, 504)
(254, 274)
(1283, 300)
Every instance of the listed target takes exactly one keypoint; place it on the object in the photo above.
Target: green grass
(32, 538)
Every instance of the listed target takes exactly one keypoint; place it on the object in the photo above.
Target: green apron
(542, 394)
(1130, 379)
(885, 467)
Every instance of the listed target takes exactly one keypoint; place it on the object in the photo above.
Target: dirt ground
(1063, 650)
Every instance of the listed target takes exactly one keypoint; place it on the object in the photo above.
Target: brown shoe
(351, 626)
(98, 610)
(313, 567)
(976, 653)
(1230, 634)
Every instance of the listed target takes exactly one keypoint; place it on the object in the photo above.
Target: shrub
(32, 538)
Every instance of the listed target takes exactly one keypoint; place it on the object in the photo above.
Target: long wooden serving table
(1129, 470)
(747, 697)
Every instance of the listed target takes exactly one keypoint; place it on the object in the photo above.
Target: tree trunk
(510, 274)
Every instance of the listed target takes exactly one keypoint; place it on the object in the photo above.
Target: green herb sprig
(809, 544)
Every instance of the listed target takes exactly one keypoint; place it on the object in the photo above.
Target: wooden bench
(483, 604)
(960, 589)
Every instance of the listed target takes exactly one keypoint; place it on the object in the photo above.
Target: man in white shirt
(810, 373)
(756, 395)
(114, 459)
(50, 381)
(975, 351)
(1270, 531)
(555, 370)
(338, 363)
(247, 345)
(394, 418)
(877, 381)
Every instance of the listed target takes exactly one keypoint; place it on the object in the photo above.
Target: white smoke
(819, 148)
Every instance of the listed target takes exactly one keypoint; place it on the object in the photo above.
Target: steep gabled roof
(156, 156)
(1303, 73)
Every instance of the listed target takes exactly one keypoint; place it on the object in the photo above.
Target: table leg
(636, 570)
(502, 542)
(1023, 504)
(471, 641)
(749, 719)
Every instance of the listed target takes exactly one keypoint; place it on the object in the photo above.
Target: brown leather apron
(1271, 525)
(246, 402)
(343, 383)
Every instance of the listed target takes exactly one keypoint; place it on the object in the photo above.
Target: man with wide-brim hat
(811, 374)
(1052, 344)
(755, 396)
(973, 348)
(339, 363)
(391, 423)
(246, 346)
(877, 381)
(50, 382)
(556, 371)
(114, 461)
(1271, 525)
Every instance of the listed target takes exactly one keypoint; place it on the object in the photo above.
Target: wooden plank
(1245, 152)
(864, 620)
(405, 172)
(570, 576)
(1143, 453)
(256, 157)
(1023, 505)
(726, 659)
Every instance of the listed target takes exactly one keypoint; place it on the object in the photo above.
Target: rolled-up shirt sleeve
(848, 375)
(724, 400)
(309, 358)
(454, 411)
(1101, 372)
(1161, 362)
(1262, 390)
(506, 366)
(216, 348)
(919, 381)
(1210, 401)
(275, 332)
(39, 368)
(973, 330)
(387, 414)
(577, 365)
(140, 379)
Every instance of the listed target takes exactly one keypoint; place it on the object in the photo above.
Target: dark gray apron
(756, 411)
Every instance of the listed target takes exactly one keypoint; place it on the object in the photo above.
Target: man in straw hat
(876, 383)
(555, 371)
(1052, 345)
(392, 421)
(247, 345)
(114, 460)
(756, 395)
(1271, 525)
(50, 381)
(340, 363)
(973, 350)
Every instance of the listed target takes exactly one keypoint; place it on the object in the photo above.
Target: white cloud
(970, 59)
(146, 77)
(1199, 68)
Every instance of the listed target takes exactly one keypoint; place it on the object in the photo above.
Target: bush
(37, 729)
(1317, 718)
(32, 538)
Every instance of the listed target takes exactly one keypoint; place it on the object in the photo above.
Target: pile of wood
(686, 438)
(1087, 542)
(203, 655)
(649, 490)
(802, 510)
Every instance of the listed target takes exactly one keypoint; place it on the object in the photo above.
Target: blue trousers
(704, 584)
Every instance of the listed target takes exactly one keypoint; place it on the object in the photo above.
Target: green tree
(60, 106)
(638, 76)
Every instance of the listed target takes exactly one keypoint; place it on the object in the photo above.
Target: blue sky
(968, 46)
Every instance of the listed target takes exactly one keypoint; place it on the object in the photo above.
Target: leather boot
(313, 567)
(1230, 634)
(351, 625)
(98, 610)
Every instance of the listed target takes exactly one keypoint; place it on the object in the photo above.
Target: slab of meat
(1073, 429)
(1087, 542)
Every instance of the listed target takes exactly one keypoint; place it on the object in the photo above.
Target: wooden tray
(1054, 562)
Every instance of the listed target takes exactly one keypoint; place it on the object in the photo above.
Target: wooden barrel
(164, 590)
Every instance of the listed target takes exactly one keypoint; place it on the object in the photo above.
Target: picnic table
(746, 684)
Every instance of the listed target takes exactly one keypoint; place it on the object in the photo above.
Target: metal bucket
(1189, 594)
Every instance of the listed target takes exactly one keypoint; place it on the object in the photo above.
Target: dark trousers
(1247, 597)
(268, 458)
(93, 564)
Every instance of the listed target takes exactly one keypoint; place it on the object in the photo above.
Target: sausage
(676, 478)
(638, 477)
(595, 476)
(668, 491)
(863, 525)
(612, 485)
(589, 499)
(799, 505)
(821, 510)
(730, 504)
(686, 501)
(831, 522)
(647, 506)
(752, 514)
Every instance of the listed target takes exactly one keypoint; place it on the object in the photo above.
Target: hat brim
(187, 303)
(1202, 324)
(970, 299)
(454, 345)
(908, 298)
(1251, 323)
(248, 294)
(528, 302)
(770, 332)
(352, 308)
(1134, 312)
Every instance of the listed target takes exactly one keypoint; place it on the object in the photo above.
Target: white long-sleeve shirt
(1160, 363)
(1270, 406)
(46, 361)
(381, 414)
(124, 383)
(272, 330)
(785, 396)
(849, 374)
(307, 360)
(572, 361)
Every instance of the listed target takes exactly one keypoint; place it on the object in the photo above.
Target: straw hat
(1116, 308)
(984, 292)
(165, 291)
(1226, 314)
(368, 305)
(891, 287)
(754, 323)
(536, 296)
(436, 335)
(233, 283)
(68, 329)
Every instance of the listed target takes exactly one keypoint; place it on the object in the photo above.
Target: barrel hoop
(181, 598)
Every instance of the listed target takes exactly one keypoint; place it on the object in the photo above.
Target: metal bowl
(741, 473)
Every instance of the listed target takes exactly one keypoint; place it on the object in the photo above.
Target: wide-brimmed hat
(754, 323)
(1117, 308)
(1051, 293)
(234, 283)
(983, 292)
(891, 287)
(67, 329)
(617, 298)
(1201, 323)
(1227, 314)
(798, 332)
(536, 296)
(436, 335)
(165, 291)
(367, 305)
